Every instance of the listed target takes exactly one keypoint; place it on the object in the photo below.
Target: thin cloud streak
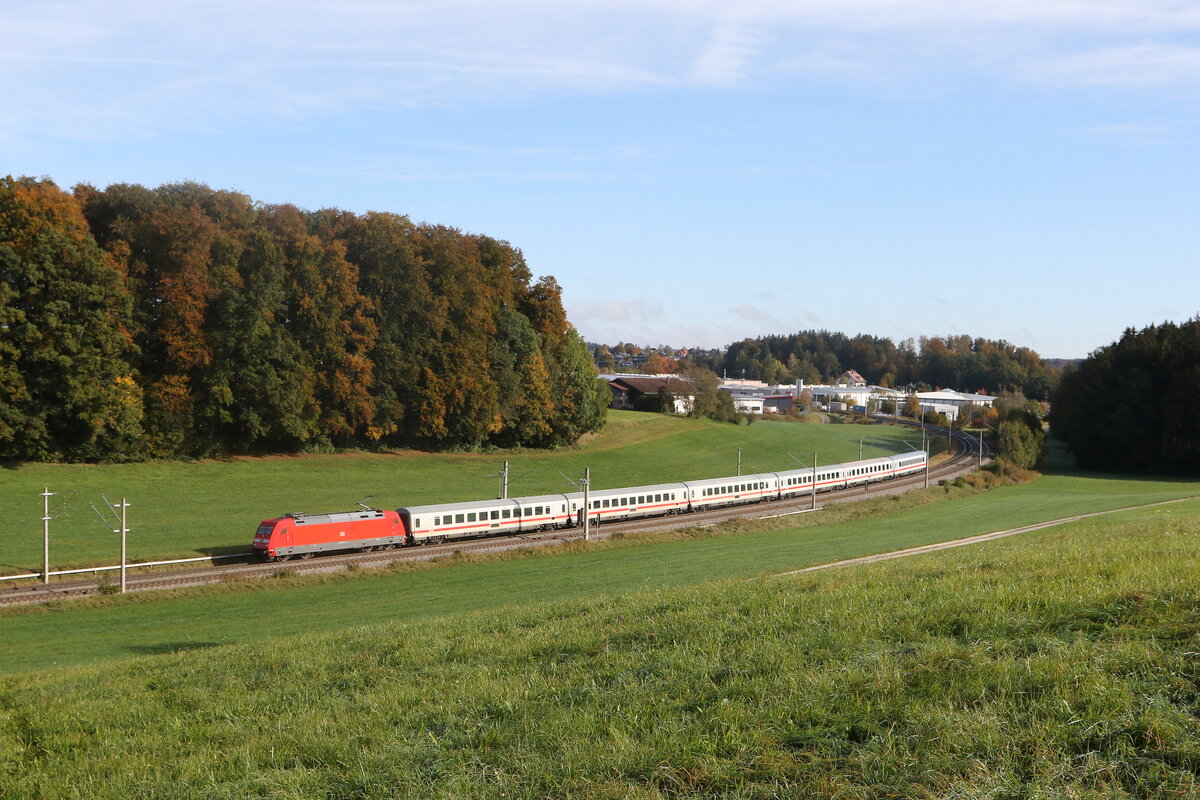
(320, 59)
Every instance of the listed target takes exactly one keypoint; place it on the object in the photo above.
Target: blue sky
(692, 172)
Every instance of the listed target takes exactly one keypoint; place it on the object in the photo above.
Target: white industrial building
(851, 392)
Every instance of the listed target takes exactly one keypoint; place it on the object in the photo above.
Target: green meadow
(1060, 663)
(115, 628)
(181, 509)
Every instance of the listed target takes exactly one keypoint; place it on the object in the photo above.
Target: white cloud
(725, 58)
(1138, 65)
(125, 67)
(635, 310)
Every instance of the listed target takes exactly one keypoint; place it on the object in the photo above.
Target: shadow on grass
(170, 647)
(226, 551)
(1061, 462)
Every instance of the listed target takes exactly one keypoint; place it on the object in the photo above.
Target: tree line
(184, 321)
(1130, 406)
(960, 362)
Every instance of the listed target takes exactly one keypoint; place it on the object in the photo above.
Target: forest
(959, 362)
(1129, 406)
(184, 322)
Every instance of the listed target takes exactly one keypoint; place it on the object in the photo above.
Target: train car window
(495, 515)
(471, 517)
(437, 521)
(459, 517)
(507, 514)
(641, 499)
(542, 510)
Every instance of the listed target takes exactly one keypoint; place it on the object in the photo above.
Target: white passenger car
(736, 490)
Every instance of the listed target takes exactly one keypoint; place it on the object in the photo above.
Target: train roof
(470, 505)
(335, 516)
(758, 476)
(541, 498)
(657, 487)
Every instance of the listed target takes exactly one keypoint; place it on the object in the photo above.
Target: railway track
(965, 459)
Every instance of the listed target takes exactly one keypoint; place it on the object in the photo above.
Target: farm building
(642, 392)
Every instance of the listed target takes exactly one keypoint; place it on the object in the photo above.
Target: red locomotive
(303, 535)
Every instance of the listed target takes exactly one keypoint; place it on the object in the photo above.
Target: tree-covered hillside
(960, 362)
(1130, 407)
(185, 321)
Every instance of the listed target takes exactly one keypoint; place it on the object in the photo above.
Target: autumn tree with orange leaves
(218, 325)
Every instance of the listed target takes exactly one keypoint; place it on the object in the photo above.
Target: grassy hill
(1056, 664)
(182, 509)
(115, 627)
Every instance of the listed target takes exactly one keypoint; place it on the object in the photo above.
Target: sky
(691, 172)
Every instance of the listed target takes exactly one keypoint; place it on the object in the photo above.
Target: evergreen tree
(1127, 407)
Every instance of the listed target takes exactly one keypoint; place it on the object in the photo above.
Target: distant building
(641, 392)
(951, 403)
(851, 378)
(850, 391)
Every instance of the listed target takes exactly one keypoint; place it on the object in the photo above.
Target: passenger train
(304, 535)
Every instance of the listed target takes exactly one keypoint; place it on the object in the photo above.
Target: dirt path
(983, 537)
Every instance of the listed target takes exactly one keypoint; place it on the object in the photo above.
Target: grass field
(210, 507)
(1055, 664)
(123, 627)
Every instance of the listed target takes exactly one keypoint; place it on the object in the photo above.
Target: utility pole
(860, 448)
(46, 495)
(814, 479)
(926, 451)
(124, 530)
(739, 472)
(504, 482)
(980, 466)
(587, 527)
